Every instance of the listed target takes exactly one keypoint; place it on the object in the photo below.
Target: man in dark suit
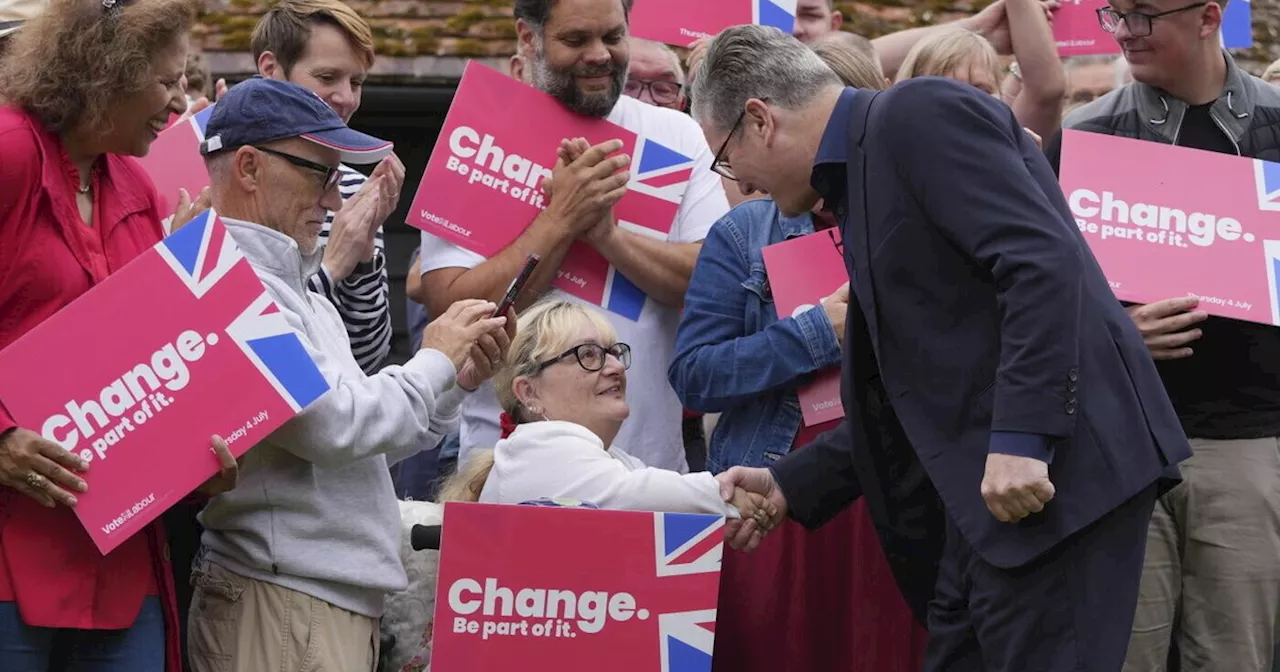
(982, 338)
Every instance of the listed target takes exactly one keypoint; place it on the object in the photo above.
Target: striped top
(361, 299)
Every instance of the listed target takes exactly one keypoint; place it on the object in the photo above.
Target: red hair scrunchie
(507, 423)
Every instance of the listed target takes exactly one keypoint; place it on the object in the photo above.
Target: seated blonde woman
(564, 385)
(1036, 82)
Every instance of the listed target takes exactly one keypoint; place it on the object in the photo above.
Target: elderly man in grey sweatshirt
(299, 557)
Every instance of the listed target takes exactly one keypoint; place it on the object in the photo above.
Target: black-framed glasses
(592, 356)
(331, 174)
(1138, 23)
(662, 91)
(720, 165)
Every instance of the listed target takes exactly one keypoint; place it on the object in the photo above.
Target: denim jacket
(733, 355)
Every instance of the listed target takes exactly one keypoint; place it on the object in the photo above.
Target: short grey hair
(677, 67)
(745, 62)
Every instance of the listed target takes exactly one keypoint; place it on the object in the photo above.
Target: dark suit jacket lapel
(854, 223)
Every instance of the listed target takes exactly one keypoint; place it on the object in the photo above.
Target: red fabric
(48, 258)
(507, 424)
(822, 600)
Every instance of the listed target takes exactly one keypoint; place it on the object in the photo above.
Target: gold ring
(36, 481)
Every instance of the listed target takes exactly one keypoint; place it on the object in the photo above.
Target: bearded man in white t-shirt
(576, 50)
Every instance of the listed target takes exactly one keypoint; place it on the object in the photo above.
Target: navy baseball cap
(259, 110)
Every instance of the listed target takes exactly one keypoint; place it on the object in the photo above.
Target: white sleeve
(704, 201)
(584, 472)
(397, 409)
(437, 253)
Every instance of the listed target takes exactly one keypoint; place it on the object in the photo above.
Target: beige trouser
(1213, 563)
(239, 624)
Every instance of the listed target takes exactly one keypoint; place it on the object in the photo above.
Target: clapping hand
(187, 209)
(354, 229)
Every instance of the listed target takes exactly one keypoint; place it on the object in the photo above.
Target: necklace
(84, 189)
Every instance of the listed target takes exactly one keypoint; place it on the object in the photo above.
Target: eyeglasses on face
(1138, 23)
(330, 173)
(592, 356)
(721, 164)
(661, 91)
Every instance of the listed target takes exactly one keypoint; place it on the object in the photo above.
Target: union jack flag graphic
(661, 175)
(201, 254)
(780, 14)
(1271, 250)
(1267, 177)
(273, 346)
(687, 544)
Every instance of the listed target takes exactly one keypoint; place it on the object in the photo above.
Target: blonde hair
(468, 481)
(1271, 72)
(946, 52)
(286, 28)
(543, 331)
(852, 66)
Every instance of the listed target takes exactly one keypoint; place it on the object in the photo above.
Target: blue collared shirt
(830, 179)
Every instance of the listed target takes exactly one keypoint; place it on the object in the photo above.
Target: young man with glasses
(1210, 581)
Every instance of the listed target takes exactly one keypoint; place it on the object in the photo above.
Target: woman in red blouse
(88, 84)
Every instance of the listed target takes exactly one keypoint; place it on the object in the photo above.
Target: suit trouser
(1213, 564)
(1070, 610)
(240, 624)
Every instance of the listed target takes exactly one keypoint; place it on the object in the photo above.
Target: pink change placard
(1166, 221)
(803, 271)
(180, 344)
(483, 184)
(548, 589)
(1077, 32)
(680, 22)
(174, 161)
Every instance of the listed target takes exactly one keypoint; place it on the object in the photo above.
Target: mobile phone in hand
(513, 290)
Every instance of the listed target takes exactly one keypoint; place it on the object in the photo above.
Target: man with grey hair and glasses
(982, 342)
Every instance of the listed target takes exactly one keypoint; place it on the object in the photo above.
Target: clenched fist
(1015, 487)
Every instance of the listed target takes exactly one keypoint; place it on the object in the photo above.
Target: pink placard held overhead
(1166, 221)
(547, 589)
(179, 345)
(802, 272)
(680, 22)
(483, 184)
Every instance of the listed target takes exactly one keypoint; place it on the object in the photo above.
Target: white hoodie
(315, 510)
(564, 459)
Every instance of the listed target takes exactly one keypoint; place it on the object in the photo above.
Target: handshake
(756, 496)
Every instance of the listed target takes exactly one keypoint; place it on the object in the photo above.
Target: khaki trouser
(239, 624)
(1213, 564)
